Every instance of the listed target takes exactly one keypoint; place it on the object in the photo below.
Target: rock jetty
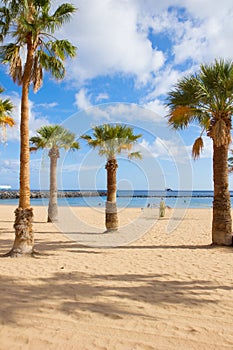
(45, 194)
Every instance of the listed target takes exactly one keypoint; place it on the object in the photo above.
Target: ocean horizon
(144, 192)
(131, 199)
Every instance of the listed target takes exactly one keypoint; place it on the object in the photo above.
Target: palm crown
(112, 139)
(205, 98)
(31, 25)
(54, 136)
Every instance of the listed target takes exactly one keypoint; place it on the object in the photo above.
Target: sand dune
(160, 291)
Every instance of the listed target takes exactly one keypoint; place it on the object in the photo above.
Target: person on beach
(162, 208)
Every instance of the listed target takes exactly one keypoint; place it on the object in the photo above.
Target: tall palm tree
(6, 108)
(31, 26)
(112, 140)
(53, 137)
(207, 99)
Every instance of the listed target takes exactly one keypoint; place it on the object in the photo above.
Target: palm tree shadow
(192, 247)
(7, 221)
(6, 245)
(41, 247)
(41, 222)
(62, 288)
(83, 233)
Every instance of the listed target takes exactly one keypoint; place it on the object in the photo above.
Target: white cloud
(110, 41)
(101, 97)
(83, 100)
(123, 113)
(171, 150)
(48, 105)
(158, 107)
(201, 32)
(207, 8)
(9, 166)
(113, 38)
(89, 167)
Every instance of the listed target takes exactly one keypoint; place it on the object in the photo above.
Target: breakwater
(14, 194)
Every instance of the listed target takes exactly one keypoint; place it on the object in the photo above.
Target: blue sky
(130, 54)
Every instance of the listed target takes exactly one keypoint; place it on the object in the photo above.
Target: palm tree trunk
(24, 238)
(111, 217)
(221, 225)
(53, 209)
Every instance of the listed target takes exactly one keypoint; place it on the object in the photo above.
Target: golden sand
(161, 291)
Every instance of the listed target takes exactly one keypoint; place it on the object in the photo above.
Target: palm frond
(207, 99)
(86, 137)
(11, 54)
(4, 120)
(62, 49)
(63, 14)
(33, 149)
(23, 19)
(50, 136)
(51, 64)
(75, 146)
(6, 107)
(5, 20)
(136, 155)
(112, 139)
(180, 117)
(37, 142)
(197, 148)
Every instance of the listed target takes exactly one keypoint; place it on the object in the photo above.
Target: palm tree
(31, 26)
(6, 108)
(53, 137)
(112, 140)
(207, 99)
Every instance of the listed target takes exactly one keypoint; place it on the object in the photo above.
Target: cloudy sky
(130, 54)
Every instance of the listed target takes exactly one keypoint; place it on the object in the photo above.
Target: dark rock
(13, 194)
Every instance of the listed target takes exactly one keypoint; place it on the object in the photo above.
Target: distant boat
(5, 187)
(168, 189)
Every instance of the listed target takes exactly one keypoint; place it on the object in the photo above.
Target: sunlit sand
(168, 289)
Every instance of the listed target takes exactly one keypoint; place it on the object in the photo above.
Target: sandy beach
(165, 289)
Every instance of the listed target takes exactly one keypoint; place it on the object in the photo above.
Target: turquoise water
(140, 199)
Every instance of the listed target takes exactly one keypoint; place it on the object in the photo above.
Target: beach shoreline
(160, 291)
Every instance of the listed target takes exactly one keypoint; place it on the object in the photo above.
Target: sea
(135, 199)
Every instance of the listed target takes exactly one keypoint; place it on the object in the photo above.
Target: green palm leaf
(206, 99)
(31, 23)
(113, 139)
(50, 136)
